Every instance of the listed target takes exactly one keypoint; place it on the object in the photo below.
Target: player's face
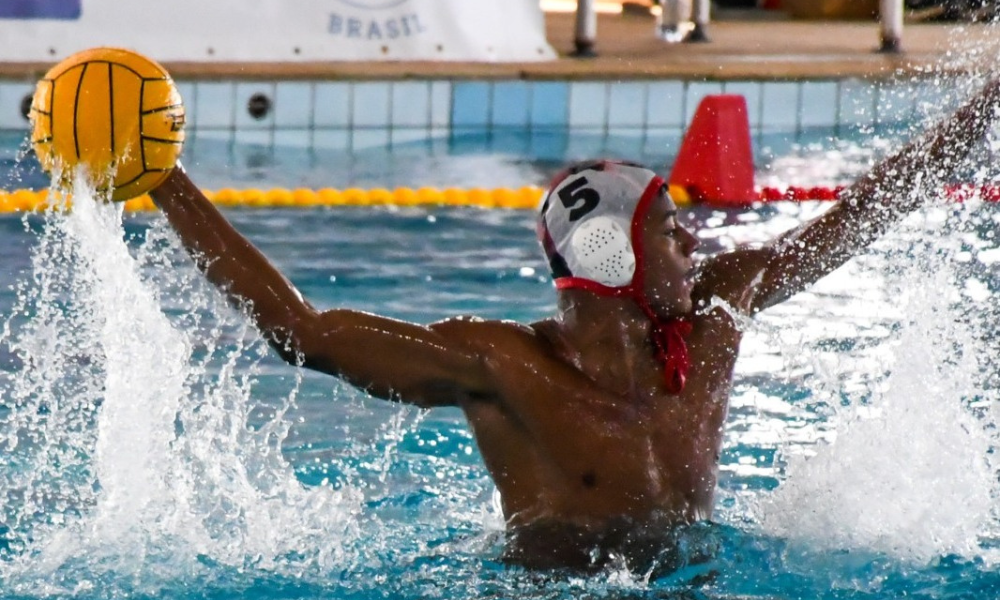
(669, 265)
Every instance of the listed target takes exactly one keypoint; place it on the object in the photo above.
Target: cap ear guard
(603, 251)
(586, 224)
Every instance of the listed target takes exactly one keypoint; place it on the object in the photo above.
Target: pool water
(152, 446)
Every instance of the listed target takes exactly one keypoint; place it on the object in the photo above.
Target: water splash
(910, 472)
(908, 466)
(128, 449)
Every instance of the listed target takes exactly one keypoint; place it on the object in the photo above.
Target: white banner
(278, 30)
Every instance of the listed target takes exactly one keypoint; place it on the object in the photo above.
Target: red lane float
(959, 192)
(774, 194)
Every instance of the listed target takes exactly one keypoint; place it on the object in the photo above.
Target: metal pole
(586, 28)
(673, 11)
(701, 16)
(670, 20)
(891, 25)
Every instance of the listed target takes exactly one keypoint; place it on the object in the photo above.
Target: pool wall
(357, 115)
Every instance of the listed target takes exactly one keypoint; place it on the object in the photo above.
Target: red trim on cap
(641, 210)
(589, 285)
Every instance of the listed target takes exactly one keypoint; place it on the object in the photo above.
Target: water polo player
(601, 425)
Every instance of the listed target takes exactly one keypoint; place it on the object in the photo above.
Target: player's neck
(602, 324)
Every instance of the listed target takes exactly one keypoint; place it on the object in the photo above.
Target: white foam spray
(909, 472)
(127, 453)
(908, 468)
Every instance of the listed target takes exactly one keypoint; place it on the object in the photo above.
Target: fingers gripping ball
(112, 111)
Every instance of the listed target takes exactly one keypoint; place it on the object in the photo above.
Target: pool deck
(743, 45)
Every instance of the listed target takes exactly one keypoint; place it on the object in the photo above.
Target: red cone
(715, 162)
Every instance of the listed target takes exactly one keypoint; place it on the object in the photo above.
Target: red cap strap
(672, 351)
(669, 338)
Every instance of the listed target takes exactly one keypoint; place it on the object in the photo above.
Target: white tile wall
(665, 104)
(627, 105)
(293, 105)
(819, 104)
(780, 106)
(441, 104)
(549, 104)
(332, 106)
(588, 105)
(511, 104)
(371, 104)
(411, 104)
(11, 95)
(216, 105)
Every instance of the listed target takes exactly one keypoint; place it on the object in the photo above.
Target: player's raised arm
(758, 278)
(428, 366)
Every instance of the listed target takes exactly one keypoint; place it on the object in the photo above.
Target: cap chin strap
(671, 347)
(668, 335)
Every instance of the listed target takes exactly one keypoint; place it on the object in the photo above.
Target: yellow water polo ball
(113, 112)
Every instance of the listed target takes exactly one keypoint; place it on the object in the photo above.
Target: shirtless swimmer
(601, 425)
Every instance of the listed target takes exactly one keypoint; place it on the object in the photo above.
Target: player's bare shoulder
(492, 339)
(516, 359)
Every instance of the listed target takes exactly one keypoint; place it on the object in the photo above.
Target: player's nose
(689, 242)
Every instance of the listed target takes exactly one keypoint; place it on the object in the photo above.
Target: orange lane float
(523, 198)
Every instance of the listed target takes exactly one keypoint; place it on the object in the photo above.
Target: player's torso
(563, 448)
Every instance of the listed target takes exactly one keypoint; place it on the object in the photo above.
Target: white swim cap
(589, 223)
(590, 227)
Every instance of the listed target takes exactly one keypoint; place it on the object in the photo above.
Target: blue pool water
(151, 446)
